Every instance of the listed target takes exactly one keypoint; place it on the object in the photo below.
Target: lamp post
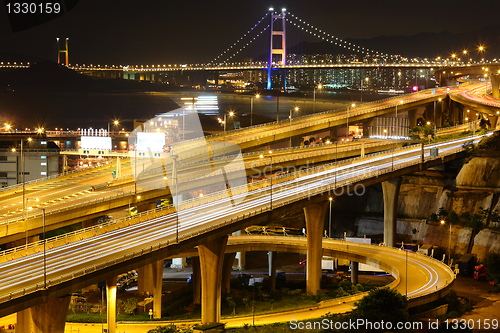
(366, 79)
(296, 109)
(26, 219)
(400, 102)
(174, 176)
(449, 242)
(406, 275)
(314, 96)
(251, 108)
(231, 113)
(336, 150)
(253, 301)
(44, 245)
(115, 122)
(271, 157)
(347, 126)
(330, 218)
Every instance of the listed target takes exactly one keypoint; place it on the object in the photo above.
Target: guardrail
(189, 201)
(416, 97)
(40, 180)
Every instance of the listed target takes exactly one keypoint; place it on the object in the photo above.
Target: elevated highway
(70, 198)
(73, 266)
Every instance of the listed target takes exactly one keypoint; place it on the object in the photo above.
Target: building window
(43, 142)
(3, 158)
(43, 157)
(43, 173)
(43, 164)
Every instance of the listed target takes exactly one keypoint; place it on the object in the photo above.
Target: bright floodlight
(271, 9)
(231, 113)
(257, 96)
(116, 122)
(283, 9)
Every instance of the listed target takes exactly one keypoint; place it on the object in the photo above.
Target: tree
(130, 305)
(492, 264)
(232, 304)
(484, 124)
(382, 304)
(429, 130)
(103, 218)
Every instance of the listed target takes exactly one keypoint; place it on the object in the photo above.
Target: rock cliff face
(468, 190)
(480, 172)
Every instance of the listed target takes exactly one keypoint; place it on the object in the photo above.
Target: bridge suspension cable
(314, 31)
(239, 40)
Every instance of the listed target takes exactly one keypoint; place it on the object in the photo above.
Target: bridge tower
(65, 51)
(277, 42)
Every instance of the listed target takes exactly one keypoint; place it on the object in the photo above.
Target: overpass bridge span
(75, 265)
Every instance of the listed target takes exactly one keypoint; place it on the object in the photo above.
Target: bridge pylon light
(277, 55)
(65, 51)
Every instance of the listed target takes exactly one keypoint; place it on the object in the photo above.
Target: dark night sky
(166, 31)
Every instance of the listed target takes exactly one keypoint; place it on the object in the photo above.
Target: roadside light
(138, 197)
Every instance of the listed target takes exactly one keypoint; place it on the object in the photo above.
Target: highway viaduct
(211, 244)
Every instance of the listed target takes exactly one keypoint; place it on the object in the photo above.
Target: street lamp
(449, 242)
(231, 113)
(400, 102)
(314, 96)
(115, 122)
(366, 79)
(26, 219)
(44, 248)
(347, 127)
(296, 109)
(330, 219)
(251, 108)
(271, 157)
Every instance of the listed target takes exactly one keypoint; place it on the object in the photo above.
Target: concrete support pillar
(241, 256)
(271, 257)
(362, 149)
(24, 321)
(227, 268)
(412, 117)
(178, 263)
(390, 189)
(196, 280)
(158, 283)
(439, 114)
(315, 221)
(49, 317)
(354, 272)
(145, 279)
(211, 261)
(495, 85)
(111, 304)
